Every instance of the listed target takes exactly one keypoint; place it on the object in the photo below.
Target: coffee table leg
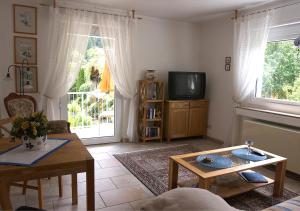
(279, 179)
(4, 196)
(74, 189)
(90, 185)
(203, 183)
(173, 174)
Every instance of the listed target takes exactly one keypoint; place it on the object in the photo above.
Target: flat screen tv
(186, 85)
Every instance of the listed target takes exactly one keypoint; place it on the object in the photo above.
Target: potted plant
(31, 130)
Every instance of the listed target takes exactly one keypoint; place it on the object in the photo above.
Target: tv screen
(186, 85)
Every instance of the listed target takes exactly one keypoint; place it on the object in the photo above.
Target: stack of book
(152, 131)
(151, 112)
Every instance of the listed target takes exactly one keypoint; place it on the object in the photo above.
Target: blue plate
(219, 162)
(244, 154)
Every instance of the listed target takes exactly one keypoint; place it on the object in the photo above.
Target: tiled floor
(116, 188)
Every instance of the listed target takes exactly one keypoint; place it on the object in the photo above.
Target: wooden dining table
(70, 159)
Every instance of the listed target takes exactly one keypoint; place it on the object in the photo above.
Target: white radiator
(279, 140)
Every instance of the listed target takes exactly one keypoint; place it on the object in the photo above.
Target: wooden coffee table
(72, 158)
(232, 184)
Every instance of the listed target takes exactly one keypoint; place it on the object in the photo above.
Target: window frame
(277, 33)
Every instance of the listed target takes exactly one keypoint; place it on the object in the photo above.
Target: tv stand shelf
(185, 118)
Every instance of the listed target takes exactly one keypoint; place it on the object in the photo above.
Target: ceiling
(182, 10)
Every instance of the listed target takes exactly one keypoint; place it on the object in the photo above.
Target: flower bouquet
(31, 130)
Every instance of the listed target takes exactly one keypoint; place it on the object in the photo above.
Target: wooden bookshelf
(151, 108)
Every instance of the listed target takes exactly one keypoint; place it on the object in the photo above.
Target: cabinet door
(197, 121)
(179, 121)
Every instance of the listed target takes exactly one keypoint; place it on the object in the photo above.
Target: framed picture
(25, 49)
(26, 79)
(227, 60)
(25, 19)
(227, 67)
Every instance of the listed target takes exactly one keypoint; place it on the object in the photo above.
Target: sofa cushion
(187, 199)
(289, 205)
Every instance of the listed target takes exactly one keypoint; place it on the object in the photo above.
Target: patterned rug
(151, 168)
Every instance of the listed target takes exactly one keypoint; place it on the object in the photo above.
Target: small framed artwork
(25, 19)
(227, 67)
(227, 60)
(25, 50)
(26, 79)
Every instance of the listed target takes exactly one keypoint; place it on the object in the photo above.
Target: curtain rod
(105, 13)
(236, 12)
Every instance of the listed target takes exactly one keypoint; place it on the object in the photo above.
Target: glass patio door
(91, 100)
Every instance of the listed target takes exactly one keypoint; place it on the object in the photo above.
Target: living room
(90, 88)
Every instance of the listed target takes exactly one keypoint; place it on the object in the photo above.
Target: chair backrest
(19, 105)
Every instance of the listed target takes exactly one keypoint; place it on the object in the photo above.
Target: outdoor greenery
(84, 108)
(281, 77)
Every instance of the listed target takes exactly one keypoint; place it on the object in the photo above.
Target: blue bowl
(218, 162)
(244, 154)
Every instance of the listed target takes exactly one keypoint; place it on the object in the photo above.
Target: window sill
(269, 115)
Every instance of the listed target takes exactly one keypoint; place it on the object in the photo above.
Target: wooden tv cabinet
(185, 118)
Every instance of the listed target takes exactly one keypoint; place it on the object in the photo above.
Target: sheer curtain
(117, 35)
(68, 37)
(250, 41)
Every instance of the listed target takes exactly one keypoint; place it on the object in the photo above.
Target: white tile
(66, 204)
(101, 156)
(123, 195)
(100, 186)
(121, 207)
(110, 172)
(125, 181)
(109, 163)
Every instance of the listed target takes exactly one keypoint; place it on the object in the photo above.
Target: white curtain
(68, 37)
(118, 34)
(250, 41)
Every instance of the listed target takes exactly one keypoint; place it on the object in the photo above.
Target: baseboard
(216, 140)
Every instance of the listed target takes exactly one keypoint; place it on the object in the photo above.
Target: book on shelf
(151, 131)
(151, 113)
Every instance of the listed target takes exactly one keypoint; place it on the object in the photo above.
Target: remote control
(256, 152)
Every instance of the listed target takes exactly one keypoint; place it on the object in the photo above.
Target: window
(280, 80)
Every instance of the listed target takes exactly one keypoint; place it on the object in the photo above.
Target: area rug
(151, 168)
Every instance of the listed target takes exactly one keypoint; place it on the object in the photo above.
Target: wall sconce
(24, 67)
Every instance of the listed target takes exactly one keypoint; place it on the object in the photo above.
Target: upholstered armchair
(23, 106)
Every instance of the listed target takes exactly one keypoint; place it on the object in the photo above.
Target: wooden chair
(23, 106)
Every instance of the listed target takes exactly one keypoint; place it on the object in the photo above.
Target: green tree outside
(281, 77)
(84, 110)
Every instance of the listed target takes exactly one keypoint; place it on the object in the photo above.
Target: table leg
(203, 183)
(173, 174)
(279, 178)
(4, 196)
(90, 185)
(60, 186)
(40, 194)
(74, 189)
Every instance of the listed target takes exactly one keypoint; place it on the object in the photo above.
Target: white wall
(161, 44)
(216, 43)
(165, 45)
(6, 45)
